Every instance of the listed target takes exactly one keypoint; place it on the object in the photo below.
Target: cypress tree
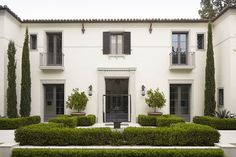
(210, 102)
(11, 77)
(25, 103)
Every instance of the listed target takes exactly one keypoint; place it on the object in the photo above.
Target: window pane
(200, 41)
(119, 44)
(33, 41)
(221, 97)
(113, 44)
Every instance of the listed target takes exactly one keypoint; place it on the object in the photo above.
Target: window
(179, 47)
(200, 41)
(221, 96)
(33, 41)
(116, 43)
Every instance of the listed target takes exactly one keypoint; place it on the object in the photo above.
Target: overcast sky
(76, 9)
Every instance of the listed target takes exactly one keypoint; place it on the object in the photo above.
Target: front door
(116, 100)
(180, 100)
(54, 100)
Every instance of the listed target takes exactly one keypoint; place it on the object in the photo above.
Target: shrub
(47, 152)
(77, 100)
(14, 123)
(66, 120)
(222, 113)
(167, 120)
(147, 120)
(86, 120)
(176, 135)
(57, 135)
(155, 99)
(217, 123)
(180, 134)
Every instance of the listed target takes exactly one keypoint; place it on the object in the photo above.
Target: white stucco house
(115, 61)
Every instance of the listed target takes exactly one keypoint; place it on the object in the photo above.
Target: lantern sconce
(143, 92)
(83, 29)
(150, 28)
(90, 90)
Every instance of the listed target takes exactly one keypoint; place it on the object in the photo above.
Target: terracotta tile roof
(155, 20)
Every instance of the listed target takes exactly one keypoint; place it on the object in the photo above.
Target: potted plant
(77, 101)
(155, 99)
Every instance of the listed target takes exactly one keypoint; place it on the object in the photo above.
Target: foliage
(77, 100)
(180, 134)
(25, 102)
(207, 10)
(14, 123)
(67, 121)
(147, 120)
(86, 120)
(210, 103)
(176, 135)
(210, 8)
(167, 120)
(49, 152)
(155, 99)
(11, 77)
(222, 113)
(217, 123)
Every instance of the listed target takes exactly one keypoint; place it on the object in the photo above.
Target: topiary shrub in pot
(155, 99)
(77, 101)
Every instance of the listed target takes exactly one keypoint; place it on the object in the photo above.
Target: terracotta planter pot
(78, 113)
(155, 113)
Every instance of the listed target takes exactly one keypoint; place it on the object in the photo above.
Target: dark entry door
(54, 100)
(180, 100)
(116, 100)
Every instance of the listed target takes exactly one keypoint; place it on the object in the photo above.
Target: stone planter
(155, 113)
(78, 113)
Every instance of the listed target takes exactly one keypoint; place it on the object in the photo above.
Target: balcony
(52, 61)
(182, 60)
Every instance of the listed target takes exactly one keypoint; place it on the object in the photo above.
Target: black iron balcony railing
(182, 60)
(52, 61)
(117, 107)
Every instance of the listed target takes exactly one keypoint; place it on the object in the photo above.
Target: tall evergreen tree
(25, 103)
(207, 10)
(210, 102)
(219, 5)
(11, 77)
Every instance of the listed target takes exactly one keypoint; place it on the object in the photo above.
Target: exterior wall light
(83, 29)
(143, 92)
(90, 90)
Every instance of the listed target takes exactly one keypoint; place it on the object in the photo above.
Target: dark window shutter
(106, 42)
(127, 41)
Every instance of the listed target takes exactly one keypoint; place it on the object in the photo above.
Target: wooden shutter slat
(106, 42)
(127, 43)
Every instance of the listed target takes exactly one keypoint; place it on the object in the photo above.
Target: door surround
(128, 72)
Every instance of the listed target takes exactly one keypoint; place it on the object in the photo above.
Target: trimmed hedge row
(217, 123)
(14, 123)
(180, 134)
(177, 135)
(147, 120)
(18, 152)
(67, 121)
(164, 120)
(167, 120)
(73, 121)
(86, 120)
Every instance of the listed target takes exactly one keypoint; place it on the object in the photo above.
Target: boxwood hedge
(177, 135)
(160, 121)
(67, 121)
(14, 123)
(86, 120)
(217, 123)
(24, 152)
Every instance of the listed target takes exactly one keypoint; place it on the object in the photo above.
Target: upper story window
(221, 96)
(33, 41)
(200, 41)
(179, 47)
(116, 43)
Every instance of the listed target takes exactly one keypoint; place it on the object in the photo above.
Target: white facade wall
(149, 61)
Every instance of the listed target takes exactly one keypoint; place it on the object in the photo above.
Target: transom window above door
(116, 43)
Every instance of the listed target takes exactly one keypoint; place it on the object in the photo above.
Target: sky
(80, 9)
